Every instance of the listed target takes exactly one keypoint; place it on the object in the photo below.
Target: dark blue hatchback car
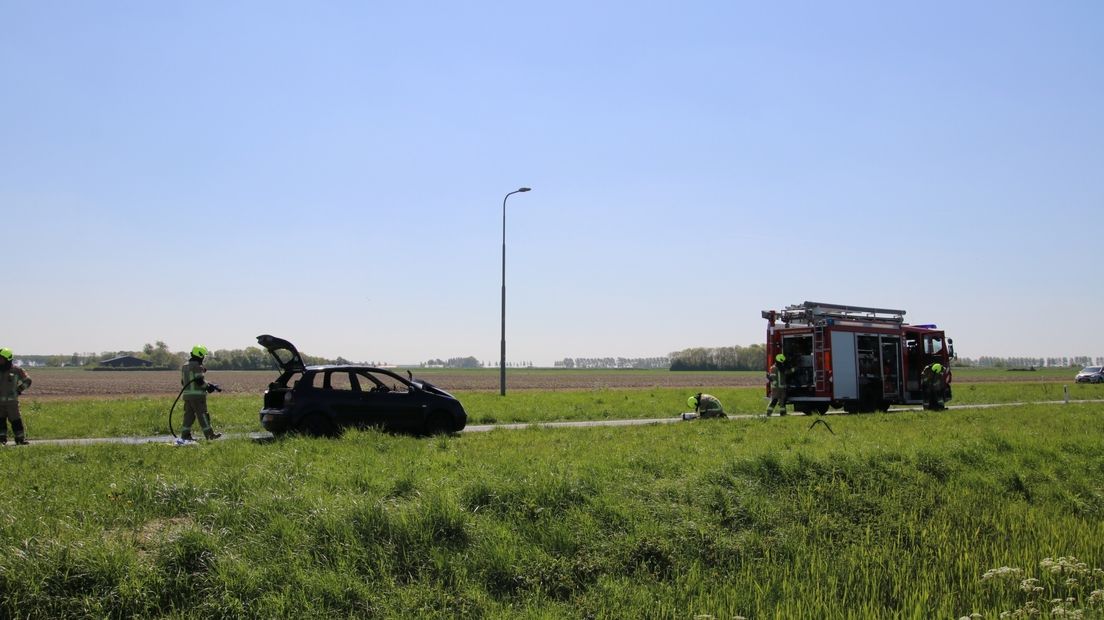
(324, 400)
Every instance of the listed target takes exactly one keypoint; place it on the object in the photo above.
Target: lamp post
(502, 359)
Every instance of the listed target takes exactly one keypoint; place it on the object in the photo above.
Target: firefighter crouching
(778, 377)
(934, 380)
(13, 380)
(706, 406)
(195, 393)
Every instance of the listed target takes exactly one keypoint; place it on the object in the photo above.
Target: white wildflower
(1002, 572)
(1064, 565)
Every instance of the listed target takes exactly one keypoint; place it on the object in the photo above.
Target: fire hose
(211, 387)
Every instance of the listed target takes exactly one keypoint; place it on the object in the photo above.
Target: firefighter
(934, 380)
(706, 406)
(13, 380)
(196, 389)
(778, 377)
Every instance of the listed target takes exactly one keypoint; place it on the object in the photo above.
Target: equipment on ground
(855, 358)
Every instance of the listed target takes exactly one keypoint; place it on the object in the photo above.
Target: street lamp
(502, 360)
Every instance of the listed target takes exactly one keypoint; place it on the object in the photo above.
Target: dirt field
(66, 383)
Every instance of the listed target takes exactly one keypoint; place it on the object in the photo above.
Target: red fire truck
(854, 358)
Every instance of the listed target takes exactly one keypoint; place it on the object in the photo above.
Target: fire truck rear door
(845, 370)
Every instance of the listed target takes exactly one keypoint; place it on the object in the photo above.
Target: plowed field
(64, 383)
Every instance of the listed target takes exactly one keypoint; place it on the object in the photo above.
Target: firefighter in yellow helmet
(13, 381)
(934, 380)
(706, 406)
(779, 377)
(196, 388)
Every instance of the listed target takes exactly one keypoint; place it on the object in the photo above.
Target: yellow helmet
(7, 354)
(937, 367)
(780, 358)
(692, 402)
(199, 351)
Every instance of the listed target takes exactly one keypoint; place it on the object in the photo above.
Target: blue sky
(333, 173)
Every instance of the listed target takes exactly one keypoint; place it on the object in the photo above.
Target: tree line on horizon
(159, 355)
(984, 361)
(754, 357)
(751, 357)
(453, 362)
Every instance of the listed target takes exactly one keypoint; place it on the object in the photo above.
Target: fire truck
(855, 358)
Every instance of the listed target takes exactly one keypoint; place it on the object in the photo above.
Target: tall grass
(891, 516)
(143, 416)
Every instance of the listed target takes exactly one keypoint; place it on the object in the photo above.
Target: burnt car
(323, 401)
(1090, 374)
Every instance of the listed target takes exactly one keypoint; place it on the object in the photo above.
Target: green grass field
(908, 514)
(238, 413)
(892, 516)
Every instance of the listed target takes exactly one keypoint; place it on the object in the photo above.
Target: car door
(342, 392)
(391, 401)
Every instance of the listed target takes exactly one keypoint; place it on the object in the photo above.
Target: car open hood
(287, 356)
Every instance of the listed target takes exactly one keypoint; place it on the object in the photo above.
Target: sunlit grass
(236, 413)
(897, 515)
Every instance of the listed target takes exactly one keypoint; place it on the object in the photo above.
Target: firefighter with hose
(13, 380)
(779, 378)
(934, 380)
(195, 391)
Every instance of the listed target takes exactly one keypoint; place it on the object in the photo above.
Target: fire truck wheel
(822, 409)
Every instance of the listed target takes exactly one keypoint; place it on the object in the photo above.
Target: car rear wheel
(438, 423)
(318, 425)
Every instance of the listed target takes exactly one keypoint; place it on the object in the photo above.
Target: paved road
(481, 428)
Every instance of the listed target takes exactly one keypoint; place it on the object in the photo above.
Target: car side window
(381, 382)
(307, 382)
(341, 381)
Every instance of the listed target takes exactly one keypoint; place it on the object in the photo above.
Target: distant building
(126, 361)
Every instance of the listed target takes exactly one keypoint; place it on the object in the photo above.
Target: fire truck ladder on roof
(816, 313)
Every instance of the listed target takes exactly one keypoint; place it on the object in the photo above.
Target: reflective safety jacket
(932, 378)
(12, 383)
(193, 381)
(777, 376)
(709, 404)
